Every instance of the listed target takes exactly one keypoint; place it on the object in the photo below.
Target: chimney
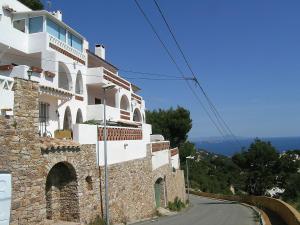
(100, 51)
(58, 15)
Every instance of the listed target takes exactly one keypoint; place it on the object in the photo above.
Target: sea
(230, 147)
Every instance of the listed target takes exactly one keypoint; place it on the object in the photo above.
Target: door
(5, 198)
(157, 194)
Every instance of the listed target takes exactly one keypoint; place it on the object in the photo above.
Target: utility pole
(105, 88)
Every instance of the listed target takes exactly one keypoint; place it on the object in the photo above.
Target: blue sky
(246, 54)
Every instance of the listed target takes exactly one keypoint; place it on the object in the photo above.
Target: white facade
(38, 45)
(5, 198)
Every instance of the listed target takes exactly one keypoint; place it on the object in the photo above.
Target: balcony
(66, 49)
(95, 112)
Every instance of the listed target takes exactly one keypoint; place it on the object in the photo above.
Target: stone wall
(131, 188)
(22, 156)
(130, 194)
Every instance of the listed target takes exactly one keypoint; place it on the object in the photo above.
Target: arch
(79, 118)
(124, 104)
(137, 115)
(64, 77)
(68, 119)
(159, 190)
(62, 201)
(79, 84)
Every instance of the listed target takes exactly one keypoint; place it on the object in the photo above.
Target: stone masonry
(131, 188)
(21, 155)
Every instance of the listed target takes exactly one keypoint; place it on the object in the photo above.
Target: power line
(176, 65)
(210, 103)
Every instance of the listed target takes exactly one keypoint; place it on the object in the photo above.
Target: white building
(38, 45)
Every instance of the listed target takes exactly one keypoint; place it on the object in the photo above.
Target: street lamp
(187, 175)
(105, 88)
(29, 73)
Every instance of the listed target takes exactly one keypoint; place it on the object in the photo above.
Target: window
(56, 31)
(35, 25)
(97, 101)
(44, 112)
(74, 41)
(19, 25)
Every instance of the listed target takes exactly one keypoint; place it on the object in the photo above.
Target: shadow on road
(217, 203)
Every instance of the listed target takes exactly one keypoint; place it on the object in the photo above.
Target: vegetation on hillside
(254, 170)
(33, 4)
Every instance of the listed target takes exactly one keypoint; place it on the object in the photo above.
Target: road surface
(205, 211)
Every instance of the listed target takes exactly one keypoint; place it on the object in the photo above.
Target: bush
(97, 221)
(177, 205)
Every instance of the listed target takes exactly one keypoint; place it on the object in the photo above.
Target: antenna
(49, 4)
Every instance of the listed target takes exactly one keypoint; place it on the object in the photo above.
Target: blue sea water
(228, 148)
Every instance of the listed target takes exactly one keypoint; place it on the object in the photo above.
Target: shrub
(177, 205)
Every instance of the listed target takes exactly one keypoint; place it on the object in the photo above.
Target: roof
(48, 14)
(103, 60)
(135, 88)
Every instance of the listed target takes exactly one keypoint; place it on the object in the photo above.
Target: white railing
(95, 112)
(6, 95)
(66, 47)
(6, 83)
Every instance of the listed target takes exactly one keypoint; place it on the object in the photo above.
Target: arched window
(68, 119)
(137, 115)
(79, 84)
(79, 118)
(64, 77)
(124, 103)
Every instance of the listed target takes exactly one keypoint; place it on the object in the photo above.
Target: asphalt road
(205, 211)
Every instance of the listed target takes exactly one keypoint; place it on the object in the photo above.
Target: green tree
(173, 124)
(186, 149)
(260, 164)
(33, 4)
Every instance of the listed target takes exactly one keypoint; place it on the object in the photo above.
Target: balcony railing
(66, 49)
(95, 112)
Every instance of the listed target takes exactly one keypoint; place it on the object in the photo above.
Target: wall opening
(79, 118)
(137, 116)
(159, 190)
(64, 77)
(79, 84)
(124, 103)
(62, 201)
(68, 119)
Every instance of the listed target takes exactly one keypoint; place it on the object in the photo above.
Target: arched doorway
(79, 84)
(159, 190)
(68, 119)
(124, 104)
(61, 193)
(64, 77)
(137, 115)
(79, 118)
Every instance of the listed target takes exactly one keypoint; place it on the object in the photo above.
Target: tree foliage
(173, 124)
(260, 164)
(33, 4)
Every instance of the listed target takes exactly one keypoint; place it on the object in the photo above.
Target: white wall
(175, 161)
(160, 158)
(5, 198)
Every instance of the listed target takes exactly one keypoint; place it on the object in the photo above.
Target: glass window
(19, 25)
(56, 31)
(43, 112)
(52, 28)
(74, 41)
(36, 24)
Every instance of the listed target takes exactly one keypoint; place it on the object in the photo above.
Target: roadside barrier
(287, 213)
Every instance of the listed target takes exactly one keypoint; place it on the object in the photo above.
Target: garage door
(5, 198)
